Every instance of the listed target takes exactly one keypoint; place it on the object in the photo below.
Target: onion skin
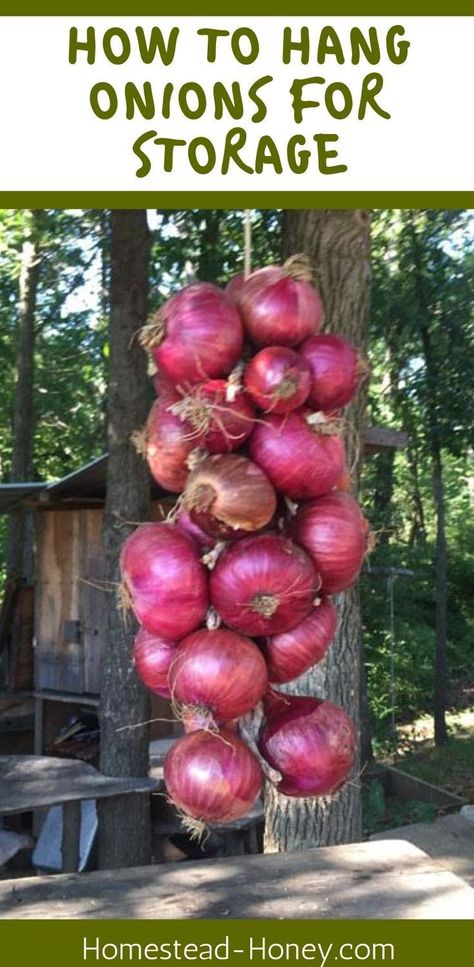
(212, 777)
(278, 379)
(300, 461)
(234, 286)
(263, 585)
(228, 496)
(219, 671)
(334, 532)
(337, 371)
(292, 653)
(167, 582)
(278, 310)
(312, 744)
(168, 444)
(229, 422)
(152, 657)
(186, 524)
(203, 335)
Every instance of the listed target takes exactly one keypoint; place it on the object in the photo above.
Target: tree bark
(124, 822)
(19, 557)
(440, 682)
(338, 245)
(418, 529)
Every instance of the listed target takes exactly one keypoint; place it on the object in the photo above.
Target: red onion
(152, 658)
(234, 286)
(312, 744)
(334, 532)
(279, 305)
(166, 442)
(219, 672)
(212, 777)
(291, 653)
(277, 379)
(337, 370)
(218, 424)
(165, 579)
(263, 585)
(228, 496)
(186, 524)
(197, 334)
(300, 460)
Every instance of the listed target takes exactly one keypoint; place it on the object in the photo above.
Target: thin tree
(125, 826)
(337, 244)
(19, 562)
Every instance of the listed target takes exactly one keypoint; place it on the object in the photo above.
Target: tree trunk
(440, 683)
(441, 585)
(19, 537)
(385, 460)
(417, 529)
(338, 245)
(124, 822)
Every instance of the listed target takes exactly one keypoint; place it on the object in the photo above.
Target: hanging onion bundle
(311, 743)
(197, 334)
(299, 458)
(293, 652)
(165, 580)
(337, 370)
(263, 585)
(228, 496)
(335, 534)
(218, 673)
(278, 304)
(212, 777)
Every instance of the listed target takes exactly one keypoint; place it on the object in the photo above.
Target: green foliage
(422, 304)
(208, 245)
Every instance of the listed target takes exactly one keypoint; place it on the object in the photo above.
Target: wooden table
(32, 782)
(377, 880)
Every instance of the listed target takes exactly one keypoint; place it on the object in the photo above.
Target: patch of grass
(452, 765)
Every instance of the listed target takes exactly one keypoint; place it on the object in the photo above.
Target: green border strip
(206, 8)
(227, 200)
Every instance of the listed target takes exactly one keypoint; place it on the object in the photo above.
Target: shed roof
(12, 494)
(87, 483)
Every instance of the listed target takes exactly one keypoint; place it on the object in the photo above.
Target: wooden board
(70, 606)
(381, 438)
(449, 840)
(363, 881)
(31, 782)
(59, 663)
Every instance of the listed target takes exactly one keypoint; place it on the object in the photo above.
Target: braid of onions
(233, 598)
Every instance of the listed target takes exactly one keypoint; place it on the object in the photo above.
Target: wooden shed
(52, 633)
